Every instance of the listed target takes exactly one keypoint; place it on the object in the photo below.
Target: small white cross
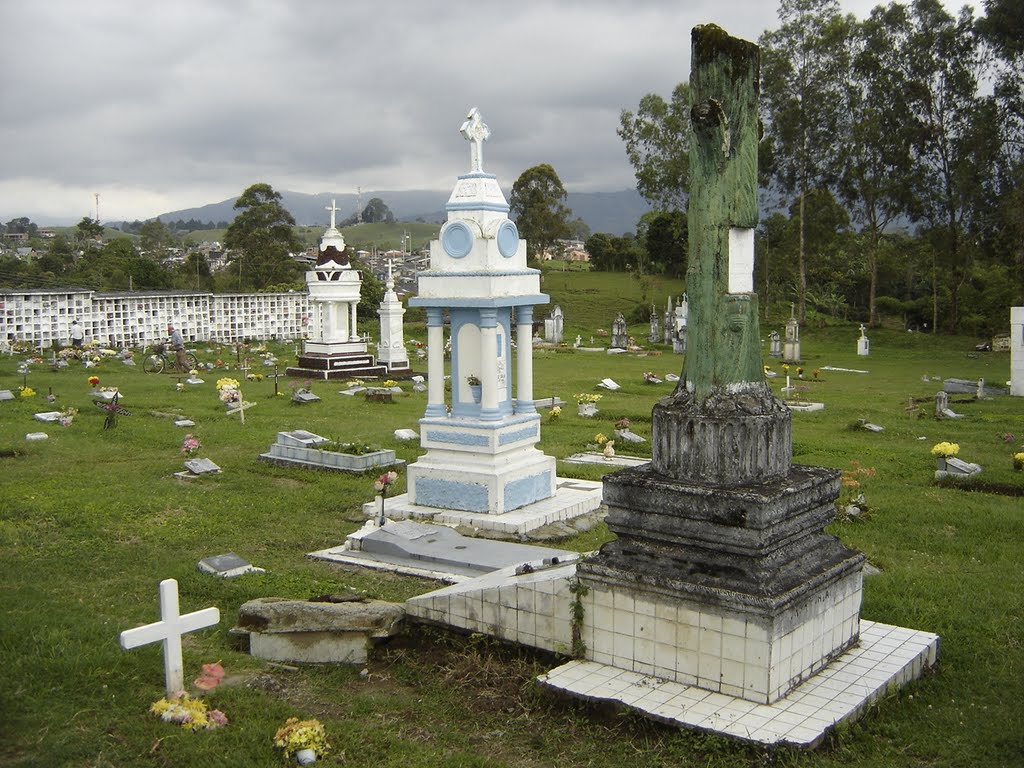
(333, 208)
(169, 629)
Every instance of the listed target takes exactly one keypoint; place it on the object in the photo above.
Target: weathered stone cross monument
(168, 630)
(720, 527)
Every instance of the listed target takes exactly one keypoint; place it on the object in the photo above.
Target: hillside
(612, 212)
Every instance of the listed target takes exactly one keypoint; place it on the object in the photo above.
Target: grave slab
(6, 394)
(33, 436)
(47, 416)
(618, 460)
(227, 566)
(436, 551)
(573, 498)
(406, 434)
(184, 423)
(201, 467)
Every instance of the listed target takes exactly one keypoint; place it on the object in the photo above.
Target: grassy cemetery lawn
(91, 520)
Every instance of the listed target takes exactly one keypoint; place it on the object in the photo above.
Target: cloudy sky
(160, 106)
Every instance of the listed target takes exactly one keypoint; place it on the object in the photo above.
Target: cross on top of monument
(168, 630)
(475, 131)
(333, 208)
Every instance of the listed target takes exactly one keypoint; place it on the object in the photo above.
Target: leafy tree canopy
(538, 203)
(657, 141)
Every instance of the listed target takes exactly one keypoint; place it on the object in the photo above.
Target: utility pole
(97, 196)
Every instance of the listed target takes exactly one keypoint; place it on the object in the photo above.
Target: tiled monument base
(534, 609)
(572, 499)
(755, 656)
(886, 657)
(347, 365)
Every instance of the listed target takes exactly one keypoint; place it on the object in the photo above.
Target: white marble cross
(333, 208)
(475, 131)
(169, 629)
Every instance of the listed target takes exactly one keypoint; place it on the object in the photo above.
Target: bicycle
(163, 359)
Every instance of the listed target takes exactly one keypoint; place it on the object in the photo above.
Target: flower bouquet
(228, 391)
(945, 450)
(190, 445)
(191, 714)
(1018, 461)
(303, 739)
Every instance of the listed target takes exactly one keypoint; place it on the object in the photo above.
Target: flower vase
(587, 409)
(305, 756)
(940, 462)
(474, 390)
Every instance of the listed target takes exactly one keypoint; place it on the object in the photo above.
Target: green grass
(91, 520)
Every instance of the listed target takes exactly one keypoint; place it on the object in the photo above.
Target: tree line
(891, 166)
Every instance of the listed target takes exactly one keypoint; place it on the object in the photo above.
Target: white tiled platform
(886, 655)
(618, 460)
(573, 498)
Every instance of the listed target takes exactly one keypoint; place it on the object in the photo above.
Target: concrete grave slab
(618, 460)
(47, 416)
(436, 551)
(34, 436)
(6, 394)
(184, 423)
(227, 566)
(201, 467)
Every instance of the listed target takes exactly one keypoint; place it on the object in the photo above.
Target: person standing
(77, 334)
(178, 345)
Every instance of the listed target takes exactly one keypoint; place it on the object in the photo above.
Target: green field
(92, 519)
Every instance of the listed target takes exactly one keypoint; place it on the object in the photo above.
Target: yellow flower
(945, 449)
(600, 439)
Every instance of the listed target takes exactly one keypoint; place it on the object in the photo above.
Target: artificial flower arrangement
(67, 415)
(1018, 461)
(473, 380)
(600, 438)
(816, 373)
(383, 483)
(190, 444)
(191, 714)
(227, 390)
(298, 735)
(582, 398)
(254, 377)
(93, 381)
(945, 450)
(26, 392)
(623, 423)
(555, 413)
(650, 378)
(390, 383)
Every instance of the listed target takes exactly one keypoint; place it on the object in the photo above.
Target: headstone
(48, 416)
(168, 630)
(668, 325)
(774, 344)
(553, 326)
(620, 335)
(655, 335)
(201, 467)
(391, 349)
(862, 342)
(791, 349)
(1017, 351)
(304, 396)
(576, 344)
(34, 436)
(227, 566)
(609, 384)
(352, 391)
(406, 434)
(184, 423)
(629, 436)
(6, 394)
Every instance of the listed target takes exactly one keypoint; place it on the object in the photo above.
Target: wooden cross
(168, 630)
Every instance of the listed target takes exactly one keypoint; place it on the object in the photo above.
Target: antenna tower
(97, 196)
(359, 205)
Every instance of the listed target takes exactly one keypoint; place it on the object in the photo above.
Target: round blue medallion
(457, 239)
(508, 239)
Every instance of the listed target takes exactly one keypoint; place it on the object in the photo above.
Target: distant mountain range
(612, 212)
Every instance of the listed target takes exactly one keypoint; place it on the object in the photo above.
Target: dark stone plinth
(734, 436)
(753, 549)
(339, 366)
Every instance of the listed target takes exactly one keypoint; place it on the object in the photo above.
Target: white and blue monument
(481, 443)
(334, 349)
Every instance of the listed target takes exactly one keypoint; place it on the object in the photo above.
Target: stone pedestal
(759, 597)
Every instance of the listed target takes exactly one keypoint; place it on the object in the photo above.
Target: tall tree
(538, 203)
(261, 239)
(87, 229)
(876, 161)
(155, 238)
(377, 210)
(953, 139)
(657, 145)
(803, 64)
